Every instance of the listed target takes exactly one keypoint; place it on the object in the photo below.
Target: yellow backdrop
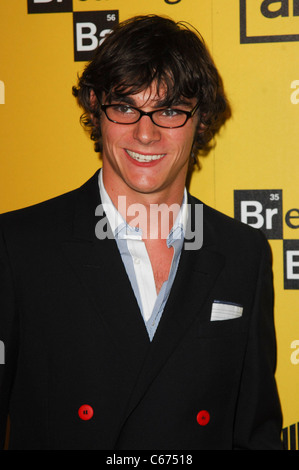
(45, 152)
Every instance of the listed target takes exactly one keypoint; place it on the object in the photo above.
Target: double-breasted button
(203, 417)
(85, 412)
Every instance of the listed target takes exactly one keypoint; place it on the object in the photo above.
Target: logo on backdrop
(59, 6)
(90, 29)
(49, 6)
(269, 21)
(263, 209)
(291, 264)
(169, 2)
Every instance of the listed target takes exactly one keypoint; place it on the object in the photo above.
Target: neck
(154, 213)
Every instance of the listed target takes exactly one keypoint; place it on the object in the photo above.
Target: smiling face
(143, 161)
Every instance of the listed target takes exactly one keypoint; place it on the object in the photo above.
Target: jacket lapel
(100, 269)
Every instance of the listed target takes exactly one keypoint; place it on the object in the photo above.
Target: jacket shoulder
(39, 214)
(229, 232)
(45, 216)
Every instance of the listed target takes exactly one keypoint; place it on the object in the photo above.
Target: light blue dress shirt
(136, 261)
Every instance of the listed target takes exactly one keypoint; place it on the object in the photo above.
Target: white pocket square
(225, 310)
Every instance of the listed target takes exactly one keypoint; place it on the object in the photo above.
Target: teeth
(144, 158)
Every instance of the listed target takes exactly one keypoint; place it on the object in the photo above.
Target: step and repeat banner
(252, 173)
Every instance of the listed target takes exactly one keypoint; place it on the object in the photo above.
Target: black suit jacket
(74, 335)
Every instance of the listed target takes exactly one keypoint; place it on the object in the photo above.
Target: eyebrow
(157, 103)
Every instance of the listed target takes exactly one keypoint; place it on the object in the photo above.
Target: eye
(123, 109)
(170, 113)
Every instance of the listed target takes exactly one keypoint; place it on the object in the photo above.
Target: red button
(85, 412)
(203, 417)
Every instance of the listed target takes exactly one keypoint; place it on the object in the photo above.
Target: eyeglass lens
(168, 117)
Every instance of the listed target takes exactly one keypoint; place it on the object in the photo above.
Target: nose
(146, 132)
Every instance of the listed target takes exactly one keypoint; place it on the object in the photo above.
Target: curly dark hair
(147, 49)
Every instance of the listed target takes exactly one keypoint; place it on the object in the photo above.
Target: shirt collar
(122, 230)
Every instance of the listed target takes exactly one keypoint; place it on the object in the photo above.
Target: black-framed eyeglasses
(169, 118)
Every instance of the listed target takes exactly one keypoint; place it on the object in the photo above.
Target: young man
(120, 337)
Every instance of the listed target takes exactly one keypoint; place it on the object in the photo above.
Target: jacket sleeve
(258, 420)
(8, 337)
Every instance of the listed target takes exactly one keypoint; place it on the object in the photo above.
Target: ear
(93, 99)
(93, 103)
(202, 127)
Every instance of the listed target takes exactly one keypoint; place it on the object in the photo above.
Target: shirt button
(203, 417)
(85, 412)
(136, 260)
